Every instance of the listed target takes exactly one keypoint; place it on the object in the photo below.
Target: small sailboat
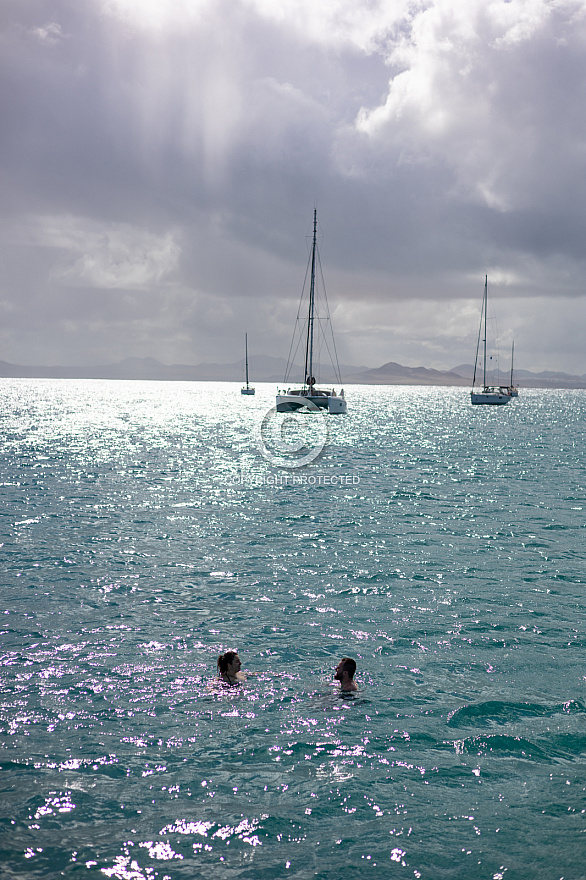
(314, 337)
(494, 395)
(248, 389)
(512, 389)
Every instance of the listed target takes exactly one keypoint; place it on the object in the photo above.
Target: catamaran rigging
(308, 397)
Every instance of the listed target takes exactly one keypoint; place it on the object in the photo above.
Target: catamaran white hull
(337, 405)
(295, 402)
(492, 398)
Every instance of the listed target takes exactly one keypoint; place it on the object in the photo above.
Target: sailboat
(512, 389)
(248, 389)
(494, 395)
(308, 397)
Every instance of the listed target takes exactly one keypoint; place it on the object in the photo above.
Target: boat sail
(512, 389)
(308, 397)
(495, 395)
(248, 389)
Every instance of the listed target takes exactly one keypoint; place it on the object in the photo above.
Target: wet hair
(349, 666)
(225, 660)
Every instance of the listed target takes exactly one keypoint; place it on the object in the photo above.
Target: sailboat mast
(512, 356)
(485, 310)
(246, 352)
(309, 343)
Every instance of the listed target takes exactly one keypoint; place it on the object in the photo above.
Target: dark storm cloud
(160, 163)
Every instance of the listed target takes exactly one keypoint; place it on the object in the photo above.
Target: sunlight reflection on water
(452, 570)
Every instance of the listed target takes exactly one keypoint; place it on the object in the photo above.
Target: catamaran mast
(485, 310)
(309, 378)
(512, 356)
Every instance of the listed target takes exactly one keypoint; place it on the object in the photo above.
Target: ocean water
(441, 545)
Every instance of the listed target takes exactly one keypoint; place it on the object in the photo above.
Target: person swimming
(345, 674)
(229, 667)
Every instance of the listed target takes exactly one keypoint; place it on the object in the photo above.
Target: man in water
(345, 674)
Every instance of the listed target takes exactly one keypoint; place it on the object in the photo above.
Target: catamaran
(308, 397)
(490, 394)
(248, 389)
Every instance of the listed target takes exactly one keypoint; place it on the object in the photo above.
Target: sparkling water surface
(441, 545)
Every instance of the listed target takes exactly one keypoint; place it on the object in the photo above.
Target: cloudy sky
(160, 161)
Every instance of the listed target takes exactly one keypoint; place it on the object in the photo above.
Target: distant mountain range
(395, 374)
(269, 369)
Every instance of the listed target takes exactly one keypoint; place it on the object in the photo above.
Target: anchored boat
(311, 332)
(512, 388)
(495, 395)
(247, 389)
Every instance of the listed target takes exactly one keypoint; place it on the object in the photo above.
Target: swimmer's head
(346, 667)
(229, 664)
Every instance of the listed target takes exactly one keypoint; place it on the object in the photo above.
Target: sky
(160, 161)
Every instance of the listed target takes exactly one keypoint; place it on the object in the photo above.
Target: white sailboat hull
(295, 402)
(337, 405)
(490, 396)
(247, 391)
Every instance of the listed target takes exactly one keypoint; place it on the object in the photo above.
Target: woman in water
(229, 668)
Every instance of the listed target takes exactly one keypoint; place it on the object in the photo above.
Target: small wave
(495, 711)
(568, 746)
(503, 745)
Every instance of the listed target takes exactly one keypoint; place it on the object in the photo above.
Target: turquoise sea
(441, 545)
